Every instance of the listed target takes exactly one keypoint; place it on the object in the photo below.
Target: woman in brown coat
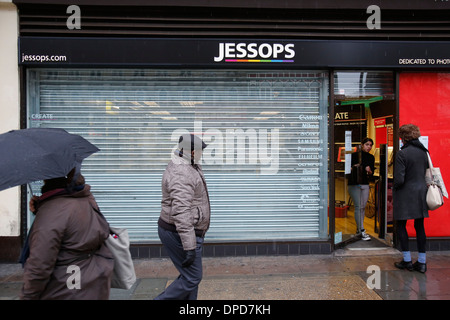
(68, 258)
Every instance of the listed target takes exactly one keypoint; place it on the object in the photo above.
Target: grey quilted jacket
(185, 201)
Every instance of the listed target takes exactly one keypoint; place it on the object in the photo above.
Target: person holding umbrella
(68, 257)
(65, 256)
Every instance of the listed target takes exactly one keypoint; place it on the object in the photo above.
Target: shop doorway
(363, 210)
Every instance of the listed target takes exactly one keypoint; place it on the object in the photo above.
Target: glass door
(364, 108)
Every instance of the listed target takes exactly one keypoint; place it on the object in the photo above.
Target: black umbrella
(40, 153)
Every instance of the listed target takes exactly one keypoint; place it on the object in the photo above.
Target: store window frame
(332, 158)
(325, 226)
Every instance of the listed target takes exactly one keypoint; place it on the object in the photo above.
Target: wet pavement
(346, 274)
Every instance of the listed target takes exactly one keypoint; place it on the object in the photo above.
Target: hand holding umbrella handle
(32, 205)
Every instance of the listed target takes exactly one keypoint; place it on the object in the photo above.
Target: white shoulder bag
(435, 198)
(118, 242)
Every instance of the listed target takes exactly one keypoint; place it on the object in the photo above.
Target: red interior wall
(425, 102)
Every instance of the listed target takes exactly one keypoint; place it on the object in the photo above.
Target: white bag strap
(430, 164)
(429, 160)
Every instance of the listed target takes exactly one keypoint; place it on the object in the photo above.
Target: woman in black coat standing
(410, 189)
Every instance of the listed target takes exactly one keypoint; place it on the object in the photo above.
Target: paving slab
(287, 287)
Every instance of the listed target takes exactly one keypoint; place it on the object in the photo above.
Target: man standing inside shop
(185, 216)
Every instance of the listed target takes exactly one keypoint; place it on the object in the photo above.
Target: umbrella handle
(31, 190)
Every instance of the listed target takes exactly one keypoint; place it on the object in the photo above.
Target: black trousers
(420, 234)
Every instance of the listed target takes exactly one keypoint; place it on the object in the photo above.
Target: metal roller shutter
(423, 20)
(266, 163)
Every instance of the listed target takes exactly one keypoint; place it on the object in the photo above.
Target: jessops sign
(254, 52)
(143, 52)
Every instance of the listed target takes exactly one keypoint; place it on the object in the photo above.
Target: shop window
(266, 163)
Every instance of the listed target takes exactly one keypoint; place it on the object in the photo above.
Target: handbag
(435, 199)
(435, 175)
(118, 242)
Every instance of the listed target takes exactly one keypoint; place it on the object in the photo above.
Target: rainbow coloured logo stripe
(255, 60)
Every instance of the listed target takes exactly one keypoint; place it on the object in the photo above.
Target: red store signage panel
(425, 101)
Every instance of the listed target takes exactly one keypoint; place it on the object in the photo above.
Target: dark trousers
(185, 287)
(420, 234)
